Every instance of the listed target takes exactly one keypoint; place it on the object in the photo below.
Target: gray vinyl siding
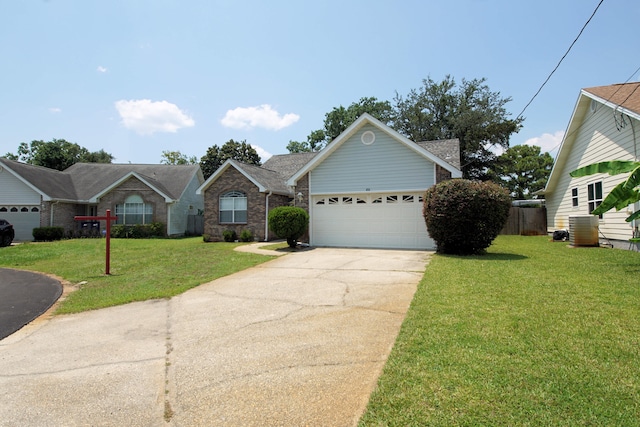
(598, 139)
(14, 191)
(385, 165)
(180, 210)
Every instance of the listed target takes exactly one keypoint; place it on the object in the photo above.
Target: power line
(561, 59)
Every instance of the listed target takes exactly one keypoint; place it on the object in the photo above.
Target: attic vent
(594, 105)
(368, 137)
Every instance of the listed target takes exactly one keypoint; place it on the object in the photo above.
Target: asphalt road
(23, 297)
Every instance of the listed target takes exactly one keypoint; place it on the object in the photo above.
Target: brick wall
(232, 180)
(442, 174)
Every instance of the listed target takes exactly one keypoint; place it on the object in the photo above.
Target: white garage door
(23, 218)
(369, 221)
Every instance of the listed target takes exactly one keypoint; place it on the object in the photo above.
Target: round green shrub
(289, 222)
(463, 217)
(229, 235)
(246, 235)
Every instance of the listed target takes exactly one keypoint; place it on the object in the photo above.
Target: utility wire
(561, 59)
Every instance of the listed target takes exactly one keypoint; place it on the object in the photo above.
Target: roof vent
(368, 137)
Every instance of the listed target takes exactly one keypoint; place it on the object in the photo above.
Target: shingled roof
(447, 149)
(625, 95)
(83, 181)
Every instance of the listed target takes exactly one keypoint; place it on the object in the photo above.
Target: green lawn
(533, 334)
(140, 269)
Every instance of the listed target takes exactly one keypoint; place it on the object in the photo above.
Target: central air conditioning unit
(583, 230)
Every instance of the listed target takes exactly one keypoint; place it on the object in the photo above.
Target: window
(347, 200)
(594, 195)
(233, 208)
(574, 197)
(134, 211)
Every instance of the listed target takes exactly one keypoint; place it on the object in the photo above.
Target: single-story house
(364, 189)
(605, 125)
(34, 196)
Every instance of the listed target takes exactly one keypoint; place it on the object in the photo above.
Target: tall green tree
(177, 158)
(216, 156)
(470, 112)
(57, 154)
(522, 170)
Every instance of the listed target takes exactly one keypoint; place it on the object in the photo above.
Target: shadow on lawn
(490, 257)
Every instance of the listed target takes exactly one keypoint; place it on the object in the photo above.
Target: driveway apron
(299, 340)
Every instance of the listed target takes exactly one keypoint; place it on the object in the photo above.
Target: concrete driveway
(300, 340)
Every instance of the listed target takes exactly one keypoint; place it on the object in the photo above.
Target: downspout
(266, 217)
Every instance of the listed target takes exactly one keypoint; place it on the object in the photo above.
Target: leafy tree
(57, 154)
(216, 156)
(463, 216)
(623, 194)
(177, 158)
(289, 222)
(340, 118)
(522, 170)
(298, 147)
(470, 112)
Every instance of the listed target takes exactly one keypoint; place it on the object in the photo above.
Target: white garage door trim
(366, 220)
(24, 219)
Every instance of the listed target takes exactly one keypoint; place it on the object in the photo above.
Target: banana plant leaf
(633, 216)
(613, 167)
(634, 179)
(618, 198)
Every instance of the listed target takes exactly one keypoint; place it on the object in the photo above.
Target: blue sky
(136, 77)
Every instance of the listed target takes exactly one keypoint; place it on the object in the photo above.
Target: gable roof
(87, 182)
(271, 176)
(368, 119)
(618, 96)
(624, 98)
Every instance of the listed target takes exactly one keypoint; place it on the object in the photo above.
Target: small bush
(206, 238)
(464, 217)
(246, 236)
(47, 234)
(289, 222)
(229, 236)
(138, 231)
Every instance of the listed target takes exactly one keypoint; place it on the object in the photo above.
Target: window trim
(146, 210)
(592, 196)
(236, 196)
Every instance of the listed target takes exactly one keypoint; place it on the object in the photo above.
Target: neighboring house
(365, 189)
(34, 196)
(605, 125)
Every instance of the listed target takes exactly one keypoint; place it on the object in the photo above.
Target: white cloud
(101, 69)
(146, 117)
(547, 142)
(55, 110)
(264, 154)
(263, 117)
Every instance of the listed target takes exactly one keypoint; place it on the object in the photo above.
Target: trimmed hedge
(289, 222)
(47, 234)
(138, 231)
(464, 217)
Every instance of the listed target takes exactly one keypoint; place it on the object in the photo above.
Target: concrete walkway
(299, 340)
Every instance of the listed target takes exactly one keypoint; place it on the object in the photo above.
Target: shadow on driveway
(23, 297)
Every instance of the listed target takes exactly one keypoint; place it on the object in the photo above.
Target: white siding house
(605, 125)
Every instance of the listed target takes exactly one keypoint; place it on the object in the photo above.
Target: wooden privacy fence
(526, 221)
(195, 225)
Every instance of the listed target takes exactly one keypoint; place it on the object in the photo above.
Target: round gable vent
(368, 137)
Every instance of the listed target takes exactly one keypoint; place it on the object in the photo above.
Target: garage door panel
(384, 221)
(23, 218)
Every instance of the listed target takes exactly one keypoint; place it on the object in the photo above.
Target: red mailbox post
(107, 218)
